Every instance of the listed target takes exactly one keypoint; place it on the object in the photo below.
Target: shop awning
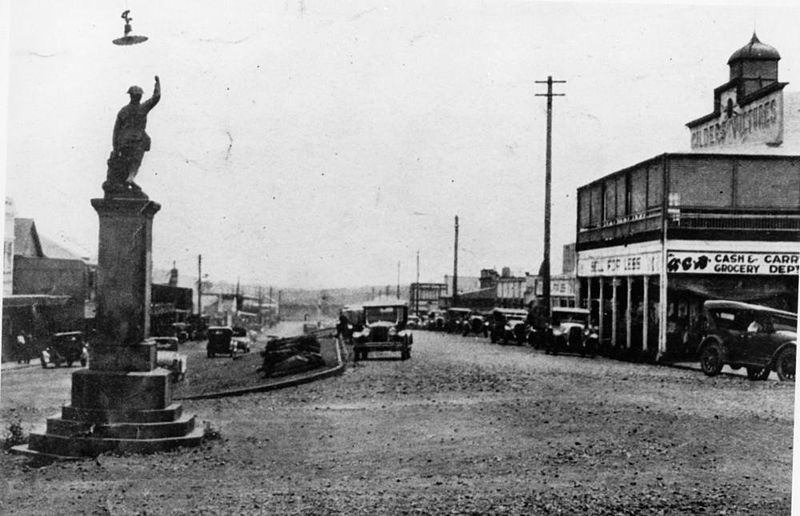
(28, 300)
(736, 289)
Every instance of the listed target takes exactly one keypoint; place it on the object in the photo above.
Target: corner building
(721, 221)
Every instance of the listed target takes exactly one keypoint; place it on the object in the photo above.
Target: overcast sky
(317, 144)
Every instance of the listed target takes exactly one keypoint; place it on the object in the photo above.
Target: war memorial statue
(130, 142)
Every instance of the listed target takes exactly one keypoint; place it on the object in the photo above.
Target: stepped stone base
(115, 412)
(112, 390)
(67, 447)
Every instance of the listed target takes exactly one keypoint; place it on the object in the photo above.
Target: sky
(319, 144)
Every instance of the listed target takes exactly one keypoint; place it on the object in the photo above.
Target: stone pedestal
(122, 402)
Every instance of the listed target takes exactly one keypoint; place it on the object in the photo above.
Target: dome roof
(755, 51)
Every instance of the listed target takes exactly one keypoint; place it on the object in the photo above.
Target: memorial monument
(122, 402)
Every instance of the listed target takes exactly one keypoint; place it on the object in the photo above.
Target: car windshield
(375, 314)
(569, 318)
(166, 346)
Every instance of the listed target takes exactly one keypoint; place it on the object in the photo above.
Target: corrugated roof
(52, 249)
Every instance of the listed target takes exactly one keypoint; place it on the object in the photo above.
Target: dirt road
(464, 427)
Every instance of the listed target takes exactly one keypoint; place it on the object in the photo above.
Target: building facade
(657, 239)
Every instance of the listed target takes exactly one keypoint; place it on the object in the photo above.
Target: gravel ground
(464, 427)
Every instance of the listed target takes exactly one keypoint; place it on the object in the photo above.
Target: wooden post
(645, 312)
(628, 315)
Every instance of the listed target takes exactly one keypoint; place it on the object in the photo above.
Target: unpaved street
(464, 427)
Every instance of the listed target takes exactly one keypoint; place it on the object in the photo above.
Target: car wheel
(83, 362)
(757, 373)
(711, 360)
(785, 364)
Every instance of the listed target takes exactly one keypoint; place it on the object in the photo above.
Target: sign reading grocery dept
(696, 262)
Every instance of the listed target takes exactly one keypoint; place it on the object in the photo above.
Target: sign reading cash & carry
(696, 262)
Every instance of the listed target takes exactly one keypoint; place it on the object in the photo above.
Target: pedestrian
(22, 348)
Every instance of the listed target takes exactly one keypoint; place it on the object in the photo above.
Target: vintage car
(65, 348)
(570, 332)
(240, 340)
(454, 319)
(435, 321)
(413, 322)
(355, 318)
(475, 323)
(508, 325)
(220, 341)
(384, 330)
(759, 338)
(167, 356)
(181, 331)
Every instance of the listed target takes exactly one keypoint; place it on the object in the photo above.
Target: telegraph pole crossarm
(545, 270)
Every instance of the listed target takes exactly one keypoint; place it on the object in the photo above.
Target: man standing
(130, 141)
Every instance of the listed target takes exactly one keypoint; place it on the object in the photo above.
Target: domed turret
(755, 65)
(755, 51)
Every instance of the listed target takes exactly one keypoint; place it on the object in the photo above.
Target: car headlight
(392, 331)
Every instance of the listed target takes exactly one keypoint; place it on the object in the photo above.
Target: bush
(14, 435)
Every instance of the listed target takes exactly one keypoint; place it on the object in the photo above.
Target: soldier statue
(130, 142)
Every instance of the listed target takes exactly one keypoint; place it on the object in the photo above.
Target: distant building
(424, 297)
(52, 289)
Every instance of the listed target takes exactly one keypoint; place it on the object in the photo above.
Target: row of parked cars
(739, 335)
(568, 331)
(68, 348)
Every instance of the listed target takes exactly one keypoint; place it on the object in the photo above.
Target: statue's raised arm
(152, 101)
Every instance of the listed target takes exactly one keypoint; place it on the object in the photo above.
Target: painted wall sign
(695, 262)
(758, 122)
(558, 287)
(621, 265)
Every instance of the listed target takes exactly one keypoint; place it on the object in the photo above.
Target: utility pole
(548, 172)
(416, 294)
(271, 310)
(200, 286)
(398, 280)
(455, 267)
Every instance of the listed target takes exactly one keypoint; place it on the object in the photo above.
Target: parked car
(454, 319)
(355, 317)
(167, 356)
(220, 341)
(413, 322)
(181, 331)
(508, 325)
(435, 321)
(759, 338)
(65, 348)
(570, 332)
(475, 323)
(240, 340)
(384, 330)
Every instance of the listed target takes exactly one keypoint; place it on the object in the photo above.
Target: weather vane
(127, 39)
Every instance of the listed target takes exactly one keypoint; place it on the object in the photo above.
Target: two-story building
(721, 221)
